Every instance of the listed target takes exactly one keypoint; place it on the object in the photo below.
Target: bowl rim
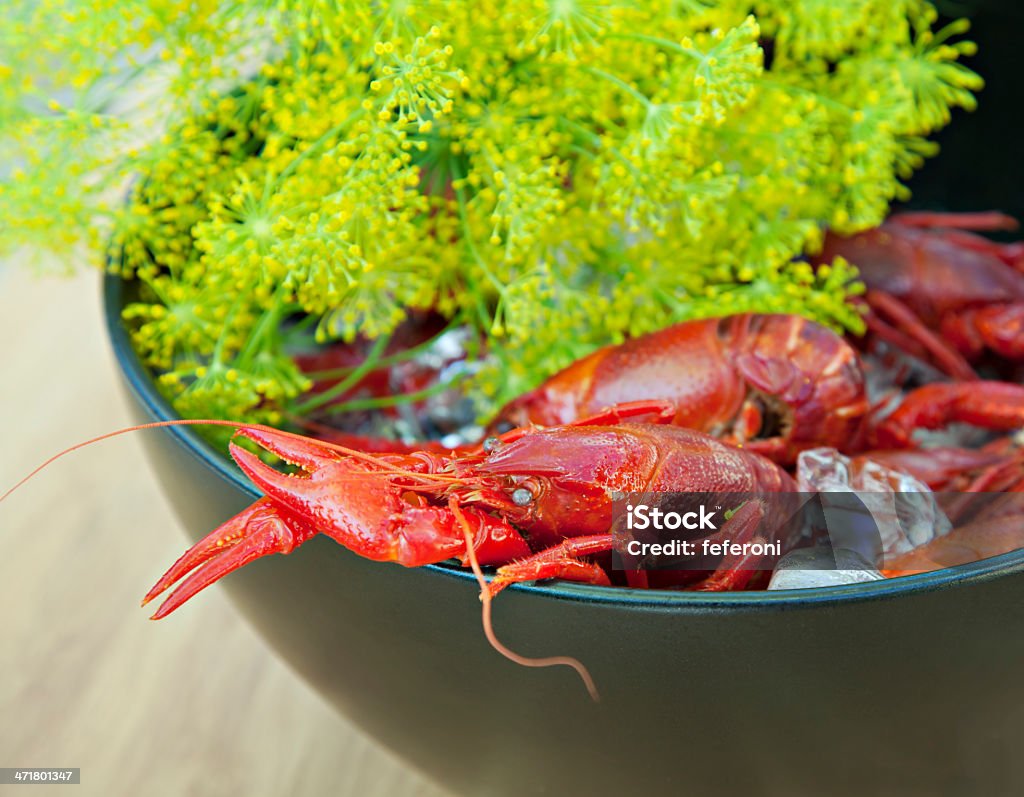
(143, 387)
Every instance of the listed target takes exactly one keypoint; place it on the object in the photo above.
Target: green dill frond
(726, 74)
(556, 174)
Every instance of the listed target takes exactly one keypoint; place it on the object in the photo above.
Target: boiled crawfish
(532, 501)
(773, 384)
(939, 292)
(535, 502)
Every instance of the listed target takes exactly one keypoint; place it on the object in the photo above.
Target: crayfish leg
(657, 411)
(258, 531)
(559, 561)
(983, 221)
(999, 328)
(890, 312)
(987, 404)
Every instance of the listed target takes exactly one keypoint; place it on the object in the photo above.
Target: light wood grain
(196, 705)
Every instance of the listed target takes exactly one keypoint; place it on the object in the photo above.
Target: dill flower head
(555, 174)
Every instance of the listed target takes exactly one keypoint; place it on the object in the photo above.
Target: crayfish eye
(491, 444)
(521, 496)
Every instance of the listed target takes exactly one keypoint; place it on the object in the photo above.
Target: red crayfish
(535, 502)
(532, 501)
(938, 291)
(774, 384)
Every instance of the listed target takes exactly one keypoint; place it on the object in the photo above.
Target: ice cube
(904, 509)
(821, 567)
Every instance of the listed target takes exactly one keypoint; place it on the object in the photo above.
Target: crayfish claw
(274, 483)
(292, 448)
(258, 531)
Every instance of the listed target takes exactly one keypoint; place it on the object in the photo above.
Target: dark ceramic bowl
(904, 687)
(909, 686)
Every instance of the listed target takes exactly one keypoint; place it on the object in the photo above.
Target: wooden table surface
(195, 705)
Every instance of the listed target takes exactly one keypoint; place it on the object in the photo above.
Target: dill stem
(667, 44)
(467, 232)
(268, 323)
(622, 84)
(371, 362)
(316, 145)
(380, 402)
(384, 362)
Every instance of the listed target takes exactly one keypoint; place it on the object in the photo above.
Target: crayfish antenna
(486, 599)
(126, 430)
(302, 451)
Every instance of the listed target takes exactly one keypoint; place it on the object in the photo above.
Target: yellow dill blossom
(555, 174)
